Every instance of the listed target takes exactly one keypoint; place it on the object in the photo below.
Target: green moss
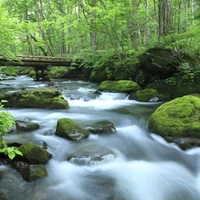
(161, 87)
(36, 98)
(119, 86)
(98, 74)
(59, 102)
(37, 172)
(147, 94)
(179, 117)
(34, 154)
(67, 128)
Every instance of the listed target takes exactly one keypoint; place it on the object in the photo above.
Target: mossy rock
(184, 142)
(181, 89)
(67, 128)
(162, 88)
(34, 154)
(119, 86)
(26, 126)
(147, 94)
(36, 98)
(122, 73)
(34, 172)
(98, 74)
(102, 127)
(177, 118)
(160, 61)
(2, 196)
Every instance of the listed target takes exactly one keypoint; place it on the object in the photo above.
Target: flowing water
(133, 164)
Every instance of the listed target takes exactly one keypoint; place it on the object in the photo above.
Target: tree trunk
(40, 15)
(165, 17)
(146, 30)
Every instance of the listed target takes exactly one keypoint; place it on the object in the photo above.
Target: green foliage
(186, 75)
(6, 122)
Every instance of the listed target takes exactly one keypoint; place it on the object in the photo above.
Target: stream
(136, 164)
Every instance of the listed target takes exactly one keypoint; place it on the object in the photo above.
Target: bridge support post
(41, 74)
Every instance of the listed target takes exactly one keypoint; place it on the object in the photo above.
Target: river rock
(102, 127)
(157, 63)
(67, 128)
(146, 95)
(2, 196)
(26, 125)
(35, 98)
(34, 154)
(34, 172)
(177, 118)
(119, 86)
(91, 154)
(99, 74)
(184, 142)
(92, 160)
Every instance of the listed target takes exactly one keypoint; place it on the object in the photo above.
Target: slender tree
(165, 17)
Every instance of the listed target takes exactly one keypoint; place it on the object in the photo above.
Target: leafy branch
(6, 122)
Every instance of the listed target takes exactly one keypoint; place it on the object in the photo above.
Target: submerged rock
(184, 142)
(119, 86)
(34, 154)
(26, 125)
(102, 127)
(2, 196)
(91, 154)
(67, 128)
(177, 118)
(30, 172)
(92, 160)
(36, 98)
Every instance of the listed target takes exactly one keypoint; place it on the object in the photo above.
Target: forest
(92, 29)
(123, 124)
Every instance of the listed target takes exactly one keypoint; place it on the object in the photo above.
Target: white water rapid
(136, 164)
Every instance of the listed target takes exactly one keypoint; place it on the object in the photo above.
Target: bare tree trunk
(186, 16)
(133, 27)
(39, 15)
(165, 17)
(146, 30)
(93, 36)
(179, 17)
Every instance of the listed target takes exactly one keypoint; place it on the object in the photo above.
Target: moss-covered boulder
(98, 74)
(67, 128)
(147, 95)
(26, 125)
(119, 86)
(157, 63)
(34, 172)
(162, 87)
(177, 118)
(36, 98)
(34, 154)
(181, 89)
(102, 127)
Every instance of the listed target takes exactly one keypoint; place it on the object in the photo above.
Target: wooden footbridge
(41, 64)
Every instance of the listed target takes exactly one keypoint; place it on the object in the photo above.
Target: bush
(6, 122)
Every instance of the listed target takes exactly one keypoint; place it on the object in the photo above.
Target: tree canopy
(90, 27)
